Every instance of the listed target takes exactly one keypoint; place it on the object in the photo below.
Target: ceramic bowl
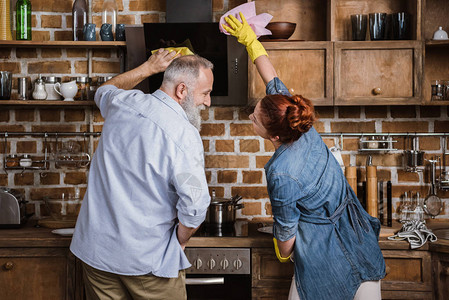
(281, 30)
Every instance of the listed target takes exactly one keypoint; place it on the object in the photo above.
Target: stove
(236, 229)
(219, 273)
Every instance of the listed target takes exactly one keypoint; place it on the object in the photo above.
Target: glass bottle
(79, 18)
(109, 14)
(23, 20)
(5, 20)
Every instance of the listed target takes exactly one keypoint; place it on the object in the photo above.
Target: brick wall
(235, 156)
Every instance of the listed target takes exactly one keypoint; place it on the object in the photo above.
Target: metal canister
(83, 83)
(22, 86)
(50, 82)
(103, 79)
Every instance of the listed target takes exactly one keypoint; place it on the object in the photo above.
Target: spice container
(103, 79)
(83, 84)
(12, 161)
(39, 92)
(50, 82)
(25, 161)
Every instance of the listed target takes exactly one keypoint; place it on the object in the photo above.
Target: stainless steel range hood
(191, 11)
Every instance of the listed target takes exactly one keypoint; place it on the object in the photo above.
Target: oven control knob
(198, 263)
(224, 264)
(237, 264)
(211, 263)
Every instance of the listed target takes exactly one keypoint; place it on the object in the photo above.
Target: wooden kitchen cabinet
(440, 266)
(409, 275)
(37, 273)
(386, 72)
(377, 73)
(310, 75)
(270, 278)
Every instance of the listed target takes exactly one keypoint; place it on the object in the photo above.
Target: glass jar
(103, 79)
(83, 84)
(50, 82)
(25, 161)
(12, 161)
(109, 14)
(437, 90)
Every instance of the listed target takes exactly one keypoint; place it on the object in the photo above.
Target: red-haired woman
(318, 220)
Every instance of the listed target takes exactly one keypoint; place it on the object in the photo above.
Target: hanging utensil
(432, 204)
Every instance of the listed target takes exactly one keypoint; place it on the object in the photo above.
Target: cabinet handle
(8, 265)
(377, 91)
(387, 270)
(445, 271)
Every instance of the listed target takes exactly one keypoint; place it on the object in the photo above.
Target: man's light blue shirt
(146, 174)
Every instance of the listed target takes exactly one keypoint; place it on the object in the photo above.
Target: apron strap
(356, 217)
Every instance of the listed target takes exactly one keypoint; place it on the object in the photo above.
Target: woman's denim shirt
(336, 246)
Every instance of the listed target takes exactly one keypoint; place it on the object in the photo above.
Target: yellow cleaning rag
(179, 50)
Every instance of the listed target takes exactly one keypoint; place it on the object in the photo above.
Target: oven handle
(205, 281)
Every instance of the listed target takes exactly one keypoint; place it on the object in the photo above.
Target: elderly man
(147, 191)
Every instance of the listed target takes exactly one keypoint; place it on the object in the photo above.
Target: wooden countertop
(30, 236)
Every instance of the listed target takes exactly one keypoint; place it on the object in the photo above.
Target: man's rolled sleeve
(191, 187)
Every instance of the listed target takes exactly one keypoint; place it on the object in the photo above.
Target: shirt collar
(170, 102)
(278, 152)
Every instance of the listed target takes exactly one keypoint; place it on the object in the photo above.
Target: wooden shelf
(66, 44)
(45, 103)
(433, 43)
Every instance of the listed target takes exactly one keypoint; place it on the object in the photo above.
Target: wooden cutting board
(388, 231)
(56, 224)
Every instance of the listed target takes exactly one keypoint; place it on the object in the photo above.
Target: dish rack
(374, 143)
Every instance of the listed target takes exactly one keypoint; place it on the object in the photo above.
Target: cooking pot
(222, 210)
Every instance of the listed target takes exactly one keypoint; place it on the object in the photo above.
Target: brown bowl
(281, 30)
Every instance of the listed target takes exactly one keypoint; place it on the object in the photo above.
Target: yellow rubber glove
(245, 36)
(179, 50)
(278, 254)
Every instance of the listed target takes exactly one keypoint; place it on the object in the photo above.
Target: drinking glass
(377, 26)
(401, 26)
(359, 24)
(5, 85)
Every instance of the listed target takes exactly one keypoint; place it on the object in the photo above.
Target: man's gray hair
(185, 69)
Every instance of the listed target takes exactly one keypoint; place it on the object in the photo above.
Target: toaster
(12, 209)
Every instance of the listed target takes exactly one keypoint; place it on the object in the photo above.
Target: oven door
(218, 287)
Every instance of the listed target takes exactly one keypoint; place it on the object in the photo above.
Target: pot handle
(239, 206)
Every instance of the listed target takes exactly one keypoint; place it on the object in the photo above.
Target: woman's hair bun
(300, 114)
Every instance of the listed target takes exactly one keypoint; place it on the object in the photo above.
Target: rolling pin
(371, 188)
(351, 177)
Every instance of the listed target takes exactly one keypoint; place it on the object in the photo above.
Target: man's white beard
(193, 112)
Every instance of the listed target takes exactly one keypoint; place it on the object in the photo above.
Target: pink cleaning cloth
(257, 22)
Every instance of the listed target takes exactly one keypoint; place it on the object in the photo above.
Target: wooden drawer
(304, 67)
(378, 73)
(37, 273)
(407, 271)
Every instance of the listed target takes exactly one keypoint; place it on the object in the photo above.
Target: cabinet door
(408, 273)
(270, 278)
(440, 262)
(378, 73)
(304, 67)
(37, 273)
